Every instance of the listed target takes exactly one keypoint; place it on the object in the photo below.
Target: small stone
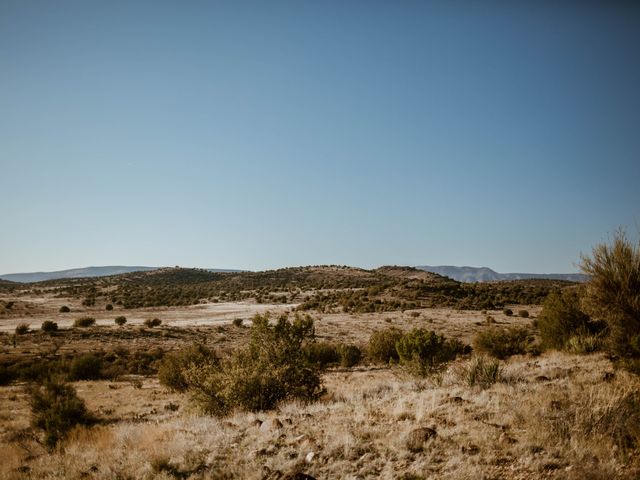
(416, 438)
(270, 425)
(310, 456)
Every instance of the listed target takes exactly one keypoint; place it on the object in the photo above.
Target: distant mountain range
(87, 272)
(461, 274)
(484, 274)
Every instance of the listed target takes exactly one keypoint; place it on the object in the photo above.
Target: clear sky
(266, 134)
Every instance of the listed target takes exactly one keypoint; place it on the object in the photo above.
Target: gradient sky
(265, 134)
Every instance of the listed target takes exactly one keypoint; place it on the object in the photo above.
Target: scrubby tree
(424, 351)
(56, 409)
(613, 293)
(274, 367)
(49, 326)
(562, 318)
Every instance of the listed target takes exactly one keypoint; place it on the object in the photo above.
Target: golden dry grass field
(556, 415)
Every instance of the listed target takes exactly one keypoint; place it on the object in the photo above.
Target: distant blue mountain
(73, 273)
(484, 274)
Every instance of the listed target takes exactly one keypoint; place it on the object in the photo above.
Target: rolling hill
(484, 274)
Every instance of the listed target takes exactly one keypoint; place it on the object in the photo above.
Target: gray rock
(417, 437)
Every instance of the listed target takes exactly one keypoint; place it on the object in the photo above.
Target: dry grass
(553, 417)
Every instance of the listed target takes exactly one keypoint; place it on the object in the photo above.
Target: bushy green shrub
(503, 342)
(508, 312)
(64, 309)
(155, 322)
(173, 365)
(237, 322)
(108, 307)
(84, 322)
(85, 367)
(22, 329)
(274, 367)
(322, 353)
(49, 326)
(613, 293)
(424, 351)
(563, 318)
(349, 355)
(382, 345)
(56, 409)
(523, 313)
(120, 320)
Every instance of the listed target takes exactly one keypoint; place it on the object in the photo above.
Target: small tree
(84, 322)
(274, 367)
(56, 409)
(49, 326)
(382, 345)
(156, 322)
(424, 351)
(613, 293)
(22, 329)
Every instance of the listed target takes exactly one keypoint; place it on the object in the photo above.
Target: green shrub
(120, 320)
(349, 355)
(584, 343)
(237, 322)
(508, 312)
(173, 365)
(322, 353)
(382, 345)
(84, 322)
(64, 309)
(423, 351)
(480, 371)
(613, 294)
(85, 367)
(22, 329)
(503, 342)
(109, 307)
(274, 367)
(49, 326)
(523, 313)
(562, 318)
(6, 375)
(155, 322)
(56, 409)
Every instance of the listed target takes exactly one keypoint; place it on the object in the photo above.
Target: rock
(256, 423)
(300, 438)
(542, 378)
(310, 456)
(608, 376)
(456, 400)
(271, 425)
(298, 476)
(416, 438)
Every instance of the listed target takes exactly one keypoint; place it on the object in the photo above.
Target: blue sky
(265, 134)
